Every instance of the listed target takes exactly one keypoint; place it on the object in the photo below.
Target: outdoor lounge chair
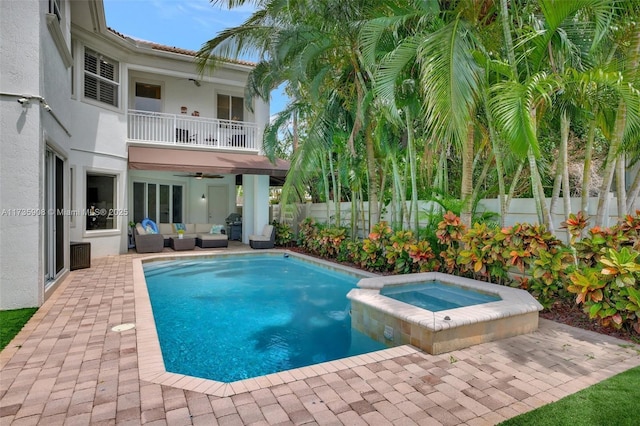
(265, 240)
(146, 242)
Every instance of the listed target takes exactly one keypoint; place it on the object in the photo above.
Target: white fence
(521, 210)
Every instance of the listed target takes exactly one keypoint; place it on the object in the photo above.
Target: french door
(159, 202)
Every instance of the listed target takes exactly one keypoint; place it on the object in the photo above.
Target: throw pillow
(216, 229)
(179, 227)
(150, 230)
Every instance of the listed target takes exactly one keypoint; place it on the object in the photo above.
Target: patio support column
(255, 210)
(261, 114)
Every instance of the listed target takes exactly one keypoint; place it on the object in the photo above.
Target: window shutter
(90, 62)
(108, 93)
(100, 78)
(90, 87)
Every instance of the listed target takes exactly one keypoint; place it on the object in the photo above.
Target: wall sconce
(203, 197)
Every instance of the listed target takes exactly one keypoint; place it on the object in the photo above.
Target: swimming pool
(437, 296)
(230, 318)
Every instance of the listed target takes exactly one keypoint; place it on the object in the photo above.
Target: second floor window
(100, 78)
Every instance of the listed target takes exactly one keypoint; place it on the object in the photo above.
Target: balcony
(189, 131)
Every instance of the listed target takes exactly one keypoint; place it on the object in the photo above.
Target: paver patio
(67, 367)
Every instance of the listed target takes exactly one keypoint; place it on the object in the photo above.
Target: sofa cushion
(216, 229)
(213, 236)
(202, 228)
(166, 229)
(140, 229)
(267, 230)
(259, 238)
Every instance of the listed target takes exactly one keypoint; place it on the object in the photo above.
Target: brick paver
(68, 367)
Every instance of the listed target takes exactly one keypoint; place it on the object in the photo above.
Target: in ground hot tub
(460, 312)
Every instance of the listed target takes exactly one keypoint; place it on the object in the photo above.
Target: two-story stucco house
(98, 130)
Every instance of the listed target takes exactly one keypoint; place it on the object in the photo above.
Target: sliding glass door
(54, 219)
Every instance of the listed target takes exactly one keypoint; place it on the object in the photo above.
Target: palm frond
(450, 79)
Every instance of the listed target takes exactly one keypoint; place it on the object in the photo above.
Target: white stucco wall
(27, 49)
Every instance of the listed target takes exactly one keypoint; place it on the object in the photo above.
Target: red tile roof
(170, 49)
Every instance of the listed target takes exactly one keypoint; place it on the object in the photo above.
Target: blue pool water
(234, 317)
(436, 296)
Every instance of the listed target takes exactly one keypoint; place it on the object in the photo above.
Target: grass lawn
(611, 402)
(11, 322)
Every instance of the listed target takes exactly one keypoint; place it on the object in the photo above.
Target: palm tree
(626, 126)
(314, 45)
(438, 45)
(562, 35)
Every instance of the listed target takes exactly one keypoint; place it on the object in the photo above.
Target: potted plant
(180, 234)
(130, 233)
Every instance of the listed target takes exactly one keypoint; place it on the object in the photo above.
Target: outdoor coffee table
(182, 243)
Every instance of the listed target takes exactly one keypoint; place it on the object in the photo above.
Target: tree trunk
(482, 178)
(565, 124)
(296, 141)
(374, 212)
(512, 187)
(336, 193)
(466, 187)
(557, 184)
(497, 154)
(621, 188)
(533, 168)
(413, 171)
(544, 216)
(403, 213)
(634, 190)
(612, 158)
(586, 171)
(327, 194)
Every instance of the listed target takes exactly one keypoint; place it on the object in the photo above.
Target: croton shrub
(606, 281)
(600, 267)
(284, 233)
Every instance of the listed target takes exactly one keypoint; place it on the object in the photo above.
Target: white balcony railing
(154, 127)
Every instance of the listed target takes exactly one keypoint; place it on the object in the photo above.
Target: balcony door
(230, 108)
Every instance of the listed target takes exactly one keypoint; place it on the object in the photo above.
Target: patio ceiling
(183, 160)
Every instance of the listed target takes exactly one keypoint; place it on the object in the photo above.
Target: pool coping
(151, 363)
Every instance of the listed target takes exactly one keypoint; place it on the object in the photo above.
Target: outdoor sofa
(202, 232)
(149, 242)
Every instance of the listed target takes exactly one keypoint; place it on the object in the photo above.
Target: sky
(178, 23)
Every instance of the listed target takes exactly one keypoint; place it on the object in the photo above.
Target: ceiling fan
(200, 175)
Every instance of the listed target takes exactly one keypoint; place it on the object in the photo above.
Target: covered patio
(254, 172)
